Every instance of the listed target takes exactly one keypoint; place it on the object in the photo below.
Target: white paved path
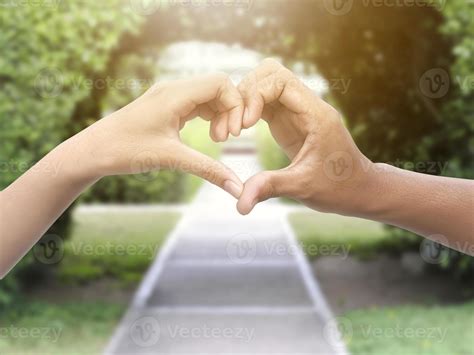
(227, 284)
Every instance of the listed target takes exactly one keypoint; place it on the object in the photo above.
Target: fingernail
(233, 188)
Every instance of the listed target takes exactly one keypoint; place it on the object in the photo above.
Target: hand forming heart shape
(327, 171)
(325, 163)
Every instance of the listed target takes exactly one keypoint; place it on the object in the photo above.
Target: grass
(117, 245)
(410, 330)
(113, 245)
(43, 328)
(196, 135)
(270, 154)
(407, 329)
(320, 233)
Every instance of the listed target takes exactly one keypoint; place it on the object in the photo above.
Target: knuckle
(221, 77)
(245, 85)
(305, 187)
(333, 117)
(271, 63)
(287, 76)
(268, 190)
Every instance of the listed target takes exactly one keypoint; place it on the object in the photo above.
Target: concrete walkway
(227, 284)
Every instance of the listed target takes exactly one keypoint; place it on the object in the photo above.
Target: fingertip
(234, 188)
(249, 197)
(220, 128)
(246, 118)
(244, 208)
(252, 115)
(235, 123)
(212, 133)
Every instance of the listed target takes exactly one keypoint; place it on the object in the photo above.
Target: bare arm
(33, 202)
(328, 172)
(436, 207)
(141, 137)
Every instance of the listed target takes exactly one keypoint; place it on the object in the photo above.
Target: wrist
(76, 159)
(375, 195)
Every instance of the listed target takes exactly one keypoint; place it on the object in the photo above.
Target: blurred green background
(65, 64)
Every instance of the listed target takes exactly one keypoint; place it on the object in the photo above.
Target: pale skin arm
(328, 173)
(141, 137)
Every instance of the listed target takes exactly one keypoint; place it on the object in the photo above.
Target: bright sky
(191, 58)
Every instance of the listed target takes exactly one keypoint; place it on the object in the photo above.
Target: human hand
(327, 171)
(144, 136)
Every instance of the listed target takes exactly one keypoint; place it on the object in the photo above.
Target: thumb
(263, 186)
(196, 163)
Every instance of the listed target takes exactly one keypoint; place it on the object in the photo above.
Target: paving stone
(155, 332)
(230, 285)
(236, 285)
(241, 247)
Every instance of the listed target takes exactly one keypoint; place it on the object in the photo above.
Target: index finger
(191, 93)
(271, 82)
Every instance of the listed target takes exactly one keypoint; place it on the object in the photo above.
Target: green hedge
(50, 51)
(387, 55)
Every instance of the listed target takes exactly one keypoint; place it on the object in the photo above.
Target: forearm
(430, 206)
(30, 205)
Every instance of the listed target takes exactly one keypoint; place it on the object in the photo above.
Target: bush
(271, 156)
(386, 55)
(49, 51)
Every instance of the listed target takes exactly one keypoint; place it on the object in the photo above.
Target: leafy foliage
(50, 52)
(458, 114)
